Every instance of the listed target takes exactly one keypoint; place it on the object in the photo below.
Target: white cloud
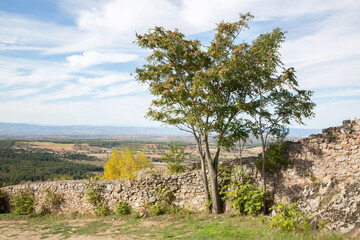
(107, 79)
(26, 33)
(324, 51)
(94, 58)
(127, 111)
(124, 89)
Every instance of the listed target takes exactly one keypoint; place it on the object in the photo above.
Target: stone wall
(334, 154)
(187, 188)
(324, 176)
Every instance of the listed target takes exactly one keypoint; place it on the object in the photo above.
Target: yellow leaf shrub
(124, 165)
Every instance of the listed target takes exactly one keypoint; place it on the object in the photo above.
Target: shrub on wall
(52, 201)
(23, 202)
(122, 208)
(161, 202)
(93, 192)
(244, 197)
(276, 156)
(288, 218)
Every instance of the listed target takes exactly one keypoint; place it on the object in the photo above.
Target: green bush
(4, 201)
(158, 209)
(276, 156)
(244, 197)
(122, 208)
(135, 215)
(93, 192)
(174, 158)
(23, 202)
(52, 201)
(101, 209)
(289, 218)
(161, 202)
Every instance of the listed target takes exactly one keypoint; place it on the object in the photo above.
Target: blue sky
(65, 62)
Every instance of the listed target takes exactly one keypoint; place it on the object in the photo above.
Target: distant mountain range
(31, 130)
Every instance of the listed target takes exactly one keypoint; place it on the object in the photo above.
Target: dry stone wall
(186, 187)
(324, 176)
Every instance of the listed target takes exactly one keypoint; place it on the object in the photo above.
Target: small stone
(337, 147)
(341, 171)
(109, 188)
(341, 159)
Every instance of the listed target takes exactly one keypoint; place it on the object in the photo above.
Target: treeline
(18, 165)
(6, 143)
(79, 156)
(112, 143)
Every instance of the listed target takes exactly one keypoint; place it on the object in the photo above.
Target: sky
(66, 62)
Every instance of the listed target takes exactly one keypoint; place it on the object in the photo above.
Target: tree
(174, 157)
(197, 89)
(275, 100)
(123, 165)
(216, 90)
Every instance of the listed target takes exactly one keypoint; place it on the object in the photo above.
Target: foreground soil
(194, 226)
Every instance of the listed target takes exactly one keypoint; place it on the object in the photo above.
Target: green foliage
(161, 202)
(276, 156)
(135, 215)
(245, 198)
(158, 209)
(63, 177)
(6, 143)
(174, 158)
(4, 201)
(23, 202)
(18, 165)
(79, 156)
(102, 209)
(289, 218)
(93, 192)
(122, 208)
(52, 201)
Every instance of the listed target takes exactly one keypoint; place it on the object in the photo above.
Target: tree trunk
(212, 166)
(263, 170)
(215, 196)
(263, 145)
(203, 168)
(205, 181)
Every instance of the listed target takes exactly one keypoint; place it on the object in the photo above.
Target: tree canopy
(215, 90)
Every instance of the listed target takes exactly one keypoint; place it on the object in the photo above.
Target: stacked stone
(187, 188)
(324, 174)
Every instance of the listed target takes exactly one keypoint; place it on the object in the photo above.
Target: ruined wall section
(324, 176)
(187, 188)
(332, 156)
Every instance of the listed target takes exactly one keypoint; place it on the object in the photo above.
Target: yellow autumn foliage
(124, 165)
